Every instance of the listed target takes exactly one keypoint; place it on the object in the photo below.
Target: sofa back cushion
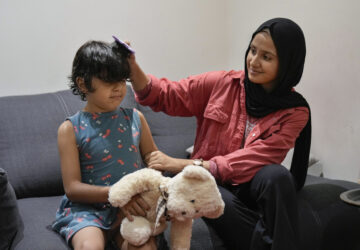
(172, 135)
(28, 140)
(28, 137)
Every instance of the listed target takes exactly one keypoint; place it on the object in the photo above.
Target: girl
(247, 122)
(98, 146)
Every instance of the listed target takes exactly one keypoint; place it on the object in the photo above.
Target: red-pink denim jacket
(217, 99)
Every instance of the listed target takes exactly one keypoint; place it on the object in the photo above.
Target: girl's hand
(136, 206)
(160, 161)
(119, 217)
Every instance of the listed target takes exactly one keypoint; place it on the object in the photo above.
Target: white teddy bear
(190, 194)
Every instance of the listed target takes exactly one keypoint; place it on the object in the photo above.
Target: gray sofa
(31, 186)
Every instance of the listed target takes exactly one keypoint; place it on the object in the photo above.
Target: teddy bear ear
(196, 172)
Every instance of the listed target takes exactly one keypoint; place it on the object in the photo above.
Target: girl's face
(262, 61)
(106, 96)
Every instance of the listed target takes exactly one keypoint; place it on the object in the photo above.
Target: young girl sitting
(97, 146)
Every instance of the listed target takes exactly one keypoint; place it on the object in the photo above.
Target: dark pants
(260, 214)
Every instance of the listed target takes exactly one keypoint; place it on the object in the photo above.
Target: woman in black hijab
(288, 38)
(247, 122)
(290, 45)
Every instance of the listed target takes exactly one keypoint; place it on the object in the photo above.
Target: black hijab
(289, 41)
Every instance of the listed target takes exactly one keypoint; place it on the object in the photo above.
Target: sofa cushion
(172, 135)
(10, 222)
(38, 214)
(28, 142)
(330, 223)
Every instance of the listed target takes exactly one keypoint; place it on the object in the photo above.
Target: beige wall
(181, 37)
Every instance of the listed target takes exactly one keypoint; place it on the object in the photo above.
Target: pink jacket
(217, 99)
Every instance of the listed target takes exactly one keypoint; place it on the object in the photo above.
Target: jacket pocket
(213, 129)
(215, 113)
(273, 129)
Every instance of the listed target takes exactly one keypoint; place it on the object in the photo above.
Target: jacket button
(253, 134)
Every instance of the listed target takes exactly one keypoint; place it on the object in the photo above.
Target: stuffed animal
(190, 194)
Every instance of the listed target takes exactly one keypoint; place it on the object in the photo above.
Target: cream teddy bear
(190, 194)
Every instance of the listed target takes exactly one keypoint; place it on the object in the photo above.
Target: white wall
(39, 38)
(181, 37)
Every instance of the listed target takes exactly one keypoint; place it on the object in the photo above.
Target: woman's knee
(273, 178)
(274, 174)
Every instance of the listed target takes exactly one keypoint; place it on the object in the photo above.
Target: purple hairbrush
(124, 45)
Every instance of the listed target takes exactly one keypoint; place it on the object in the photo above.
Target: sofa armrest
(10, 220)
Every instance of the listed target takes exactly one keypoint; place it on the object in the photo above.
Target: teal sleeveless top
(108, 145)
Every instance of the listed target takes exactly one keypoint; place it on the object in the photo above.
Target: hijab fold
(291, 49)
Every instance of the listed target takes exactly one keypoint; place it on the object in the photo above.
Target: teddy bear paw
(136, 232)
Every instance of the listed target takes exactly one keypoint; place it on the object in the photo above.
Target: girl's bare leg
(89, 238)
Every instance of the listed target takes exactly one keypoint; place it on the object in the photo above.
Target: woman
(247, 122)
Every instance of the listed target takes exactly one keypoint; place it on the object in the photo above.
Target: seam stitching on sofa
(63, 104)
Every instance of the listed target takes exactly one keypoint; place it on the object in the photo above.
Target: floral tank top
(108, 144)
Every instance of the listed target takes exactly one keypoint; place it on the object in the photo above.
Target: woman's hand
(162, 162)
(131, 58)
(136, 206)
(138, 78)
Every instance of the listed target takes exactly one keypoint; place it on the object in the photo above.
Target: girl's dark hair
(108, 62)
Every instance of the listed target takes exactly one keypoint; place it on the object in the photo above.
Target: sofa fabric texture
(31, 185)
(326, 222)
(28, 149)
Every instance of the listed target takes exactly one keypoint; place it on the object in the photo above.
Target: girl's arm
(137, 205)
(75, 190)
(147, 144)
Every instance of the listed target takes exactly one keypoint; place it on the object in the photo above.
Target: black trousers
(260, 214)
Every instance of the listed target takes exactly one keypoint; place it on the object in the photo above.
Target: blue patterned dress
(108, 146)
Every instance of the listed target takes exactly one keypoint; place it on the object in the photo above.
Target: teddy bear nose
(183, 213)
